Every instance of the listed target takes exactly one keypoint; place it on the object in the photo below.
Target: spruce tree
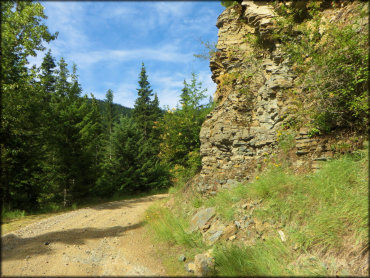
(47, 77)
(62, 85)
(71, 160)
(180, 127)
(146, 114)
(143, 106)
(22, 34)
(109, 119)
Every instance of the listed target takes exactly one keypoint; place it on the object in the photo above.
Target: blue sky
(108, 41)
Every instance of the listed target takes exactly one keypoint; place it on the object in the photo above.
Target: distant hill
(118, 109)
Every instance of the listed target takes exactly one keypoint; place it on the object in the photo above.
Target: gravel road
(104, 240)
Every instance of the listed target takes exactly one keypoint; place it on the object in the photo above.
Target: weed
(264, 258)
(7, 215)
(223, 201)
(325, 212)
(170, 228)
(313, 132)
(197, 202)
(286, 140)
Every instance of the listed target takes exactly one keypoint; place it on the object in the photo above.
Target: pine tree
(47, 78)
(180, 127)
(120, 167)
(71, 159)
(109, 120)
(143, 108)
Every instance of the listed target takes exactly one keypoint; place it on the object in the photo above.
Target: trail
(104, 240)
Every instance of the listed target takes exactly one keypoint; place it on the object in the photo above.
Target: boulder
(213, 237)
(201, 218)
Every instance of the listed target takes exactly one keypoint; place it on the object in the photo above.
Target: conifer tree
(143, 110)
(71, 159)
(47, 77)
(109, 119)
(180, 127)
(22, 34)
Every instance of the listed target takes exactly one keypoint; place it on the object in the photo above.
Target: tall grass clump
(223, 202)
(267, 258)
(172, 228)
(341, 189)
(327, 209)
(7, 215)
(323, 215)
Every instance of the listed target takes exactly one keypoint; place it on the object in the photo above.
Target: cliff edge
(264, 109)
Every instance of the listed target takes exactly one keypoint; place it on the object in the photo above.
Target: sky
(108, 41)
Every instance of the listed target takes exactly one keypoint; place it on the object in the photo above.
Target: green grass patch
(7, 215)
(324, 216)
(325, 212)
(263, 259)
(266, 258)
(172, 228)
(328, 206)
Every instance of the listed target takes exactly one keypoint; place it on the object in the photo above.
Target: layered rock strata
(253, 84)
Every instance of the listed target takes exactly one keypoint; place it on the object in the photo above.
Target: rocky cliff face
(254, 103)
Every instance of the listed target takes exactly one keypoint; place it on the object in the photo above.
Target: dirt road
(105, 240)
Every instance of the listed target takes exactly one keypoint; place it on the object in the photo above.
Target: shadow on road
(15, 248)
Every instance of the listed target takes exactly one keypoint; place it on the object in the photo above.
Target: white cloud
(165, 53)
(67, 18)
(207, 82)
(36, 60)
(170, 85)
(164, 35)
(125, 94)
(116, 11)
(168, 97)
(167, 12)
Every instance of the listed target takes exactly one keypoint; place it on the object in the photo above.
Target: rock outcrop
(254, 85)
(244, 125)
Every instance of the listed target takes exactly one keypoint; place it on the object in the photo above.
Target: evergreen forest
(60, 145)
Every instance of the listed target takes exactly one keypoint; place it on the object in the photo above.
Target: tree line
(59, 146)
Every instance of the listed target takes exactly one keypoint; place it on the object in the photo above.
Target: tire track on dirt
(108, 239)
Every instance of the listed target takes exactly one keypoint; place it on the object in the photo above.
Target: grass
(324, 216)
(169, 231)
(323, 213)
(263, 259)
(6, 214)
(172, 228)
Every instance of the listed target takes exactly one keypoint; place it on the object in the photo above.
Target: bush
(227, 4)
(332, 62)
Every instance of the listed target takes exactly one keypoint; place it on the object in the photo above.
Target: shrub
(227, 4)
(332, 62)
